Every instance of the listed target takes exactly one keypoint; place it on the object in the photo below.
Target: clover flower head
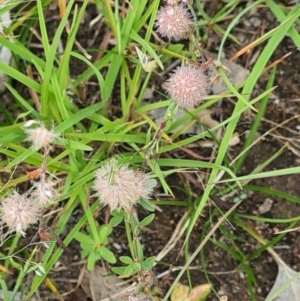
(39, 136)
(174, 22)
(43, 193)
(187, 86)
(120, 187)
(18, 212)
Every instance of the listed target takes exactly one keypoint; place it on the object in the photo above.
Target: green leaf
(147, 220)
(92, 66)
(136, 231)
(118, 270)
(21, 158)
(175, 48)
(107, 255)
(104, 233)
(84, 239)
(116, 220)
(87, 247)
(129, 270)
(77, 145)
(116, 212)
(15, 264)
(139, 250)
(151, 183)
(148, 264)
(126, 259)
(4, 289)
(84, 253)
(141, 41)
(146, 205)
(137, 267)
(91, 261)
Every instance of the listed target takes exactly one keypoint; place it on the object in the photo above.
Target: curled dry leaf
(183, 292)
(98, 285)
(287, 284)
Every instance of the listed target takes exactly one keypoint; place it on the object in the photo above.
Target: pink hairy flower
(18, 212)
(187, 86)
(174, 22)
(120, 187)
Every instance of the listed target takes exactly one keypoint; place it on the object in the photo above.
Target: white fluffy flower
(18, 212)
(39, 136)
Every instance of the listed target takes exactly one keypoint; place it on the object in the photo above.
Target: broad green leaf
(92, 258)
(104, 233)
(118, 270)
(129, 270)
(126, 259)
(116, 220)
(147, 220)
(87, 247)
(107, 255)
(146, 205)
(148, 264)
(137, 266)
(151, 183)
(84, 239)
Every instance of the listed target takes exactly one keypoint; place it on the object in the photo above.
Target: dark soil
(226, 273)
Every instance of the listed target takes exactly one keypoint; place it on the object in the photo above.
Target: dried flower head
(174, 22)
(120, 187)
(18, 212)
(187, 86)
(39, 136)
(43, 193)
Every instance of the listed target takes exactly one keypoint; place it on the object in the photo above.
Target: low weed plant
(57, 140)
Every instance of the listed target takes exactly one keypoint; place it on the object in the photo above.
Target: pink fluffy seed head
(174, 22)
(187, 86)
(18, 212)
(122, 187)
